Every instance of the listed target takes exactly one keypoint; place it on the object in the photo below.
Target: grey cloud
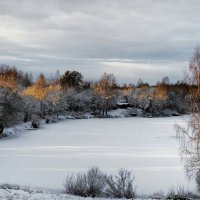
(81, 35)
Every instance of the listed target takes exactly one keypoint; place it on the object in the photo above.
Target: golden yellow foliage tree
(40, 89)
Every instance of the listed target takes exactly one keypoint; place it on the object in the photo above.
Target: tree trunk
(1, 128)
(106, 106)
(26, 117)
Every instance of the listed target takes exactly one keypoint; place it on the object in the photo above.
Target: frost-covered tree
(11, 107)
(31, 108)
(56, 103)
(79, 100)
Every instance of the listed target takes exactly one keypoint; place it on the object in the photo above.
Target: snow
(12, 194)
(118, 112)
(21, 195)
(42, 158)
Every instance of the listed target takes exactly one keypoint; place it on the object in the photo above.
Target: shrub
(179, 193)
(76, 185)
(121, 185)
(89, 184)
(95, 183)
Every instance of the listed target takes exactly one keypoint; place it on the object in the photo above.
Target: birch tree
(190, 134)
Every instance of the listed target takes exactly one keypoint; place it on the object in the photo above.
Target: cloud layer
(130, 38)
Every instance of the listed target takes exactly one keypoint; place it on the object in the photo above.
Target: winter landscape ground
(43, 158)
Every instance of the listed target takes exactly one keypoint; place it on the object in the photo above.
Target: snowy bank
(12, 194)
(17, 193)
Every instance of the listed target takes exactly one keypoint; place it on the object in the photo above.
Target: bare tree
(190, 134)
(194, 69)
(121, 185)
(105, 89)
(166, 80)
(139, 82)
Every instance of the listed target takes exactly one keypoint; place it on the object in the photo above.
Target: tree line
(24, 99)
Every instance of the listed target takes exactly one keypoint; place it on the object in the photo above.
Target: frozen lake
(42, 158)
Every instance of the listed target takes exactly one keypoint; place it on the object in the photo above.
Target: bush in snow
(121, 185)
(180, 193)
(95, 183)
(89, 184)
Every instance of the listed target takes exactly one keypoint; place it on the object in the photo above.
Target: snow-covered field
(148, 146)
(34, 195)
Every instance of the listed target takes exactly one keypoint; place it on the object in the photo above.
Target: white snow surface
(148, 146)
(10, 194)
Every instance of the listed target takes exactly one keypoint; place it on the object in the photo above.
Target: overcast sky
(130, 38)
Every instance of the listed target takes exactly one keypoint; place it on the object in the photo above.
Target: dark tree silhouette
(71, 79)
